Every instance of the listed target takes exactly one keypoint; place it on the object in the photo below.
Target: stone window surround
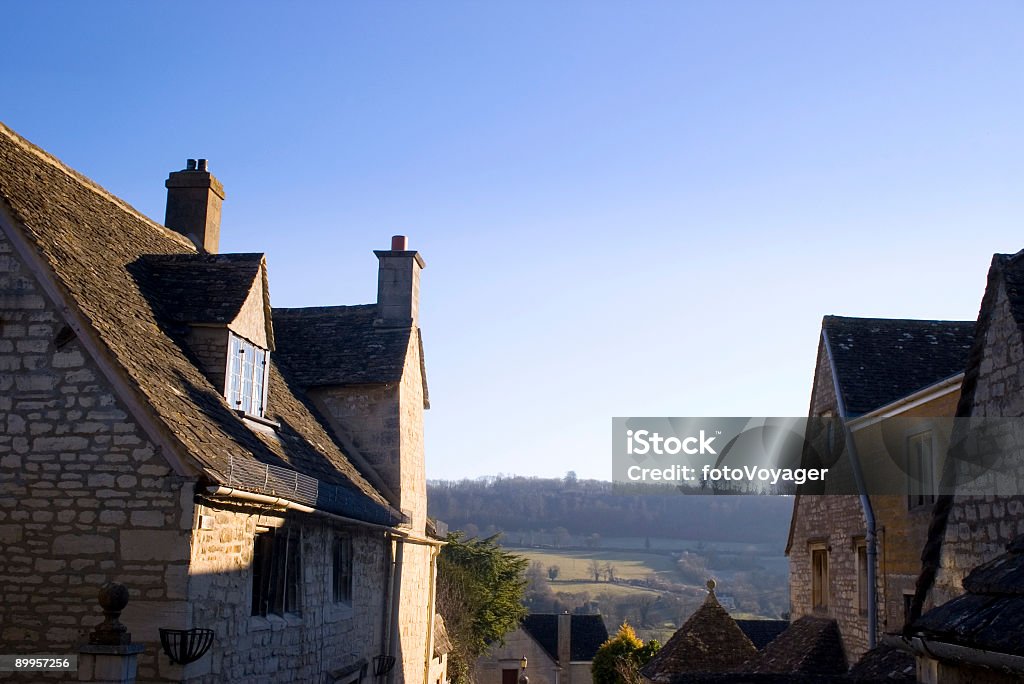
(280, 574)
(820, 586)
(860, 550)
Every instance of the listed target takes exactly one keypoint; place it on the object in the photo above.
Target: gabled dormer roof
(87, 246)
(211, 289)
(881, 360)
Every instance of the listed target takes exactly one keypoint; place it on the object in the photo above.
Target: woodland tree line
(587, 507)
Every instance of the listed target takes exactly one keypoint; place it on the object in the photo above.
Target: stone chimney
(398, 284)
(565, 647)
(194, 198)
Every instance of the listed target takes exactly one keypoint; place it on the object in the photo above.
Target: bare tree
(595, 569)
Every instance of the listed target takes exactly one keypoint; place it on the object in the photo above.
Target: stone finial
(113, 597)
(711, 585)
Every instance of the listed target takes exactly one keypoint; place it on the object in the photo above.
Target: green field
(575, 565)
(594, 589)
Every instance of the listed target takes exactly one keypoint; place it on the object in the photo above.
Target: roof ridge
(90, 184)
(829, 317)
(322, 309)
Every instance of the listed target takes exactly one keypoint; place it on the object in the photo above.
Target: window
(819, 577)
(920, 471)
(342, 570)
(861, 549)
(277, 572)
(247, 372)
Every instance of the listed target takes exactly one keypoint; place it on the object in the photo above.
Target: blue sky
(625, 208)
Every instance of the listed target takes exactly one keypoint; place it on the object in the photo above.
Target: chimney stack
(398, 284)
(194, 198)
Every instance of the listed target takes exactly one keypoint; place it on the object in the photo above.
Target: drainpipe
(870, 537)
(396, 603)
(385, 618)
(431, 598)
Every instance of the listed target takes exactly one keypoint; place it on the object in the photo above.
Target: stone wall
(85, 497)
(837, 522)
(981, 524)
(385, 424)
(209, 345)
(325, 636)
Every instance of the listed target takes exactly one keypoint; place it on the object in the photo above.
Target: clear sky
(630, 208)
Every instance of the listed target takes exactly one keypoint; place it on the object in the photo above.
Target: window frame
(860, 551)
(819, 580)
(277, 572)
(342, 570)
(920, 471)
(245, 387)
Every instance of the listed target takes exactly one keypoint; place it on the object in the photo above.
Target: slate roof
(811, 645)
(587, 633)
(91, 242)
(990, 616)
(885, 664)
(709, 641)
(881, 360)
(202, 288)
(762, 632)
(339, 345)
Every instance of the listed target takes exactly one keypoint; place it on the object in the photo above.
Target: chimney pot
(190, 165)
(202, 165)
(399, 243)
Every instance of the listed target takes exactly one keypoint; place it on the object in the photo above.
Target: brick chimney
(194, 198)
(398, 284)
(565, 647)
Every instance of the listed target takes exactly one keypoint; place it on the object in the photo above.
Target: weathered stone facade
(85, 496)
(120, 459)
(294, 647)
(837, 524)
(981, 525)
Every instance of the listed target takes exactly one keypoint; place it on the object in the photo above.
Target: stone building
(255, 471)
(974, 543)
(559, 649)
(874, 374)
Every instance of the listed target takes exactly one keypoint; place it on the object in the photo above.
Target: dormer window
(247, 374)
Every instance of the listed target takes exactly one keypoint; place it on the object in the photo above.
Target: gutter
(232, 493)
(922, 396)
(945, 651)
(870, 536)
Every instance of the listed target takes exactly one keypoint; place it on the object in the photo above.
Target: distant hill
(584, 507)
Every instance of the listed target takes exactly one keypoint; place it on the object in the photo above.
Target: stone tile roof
(881, 360)
(709, 641)
(442, 642)
(811, 645)
(762, 632)
(339, 345)
(201, 288)
(587, 633)
(89, 240)
(885, 664)
(990, 616)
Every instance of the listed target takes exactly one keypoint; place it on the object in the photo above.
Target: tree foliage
(480, 596)
(619, 659)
